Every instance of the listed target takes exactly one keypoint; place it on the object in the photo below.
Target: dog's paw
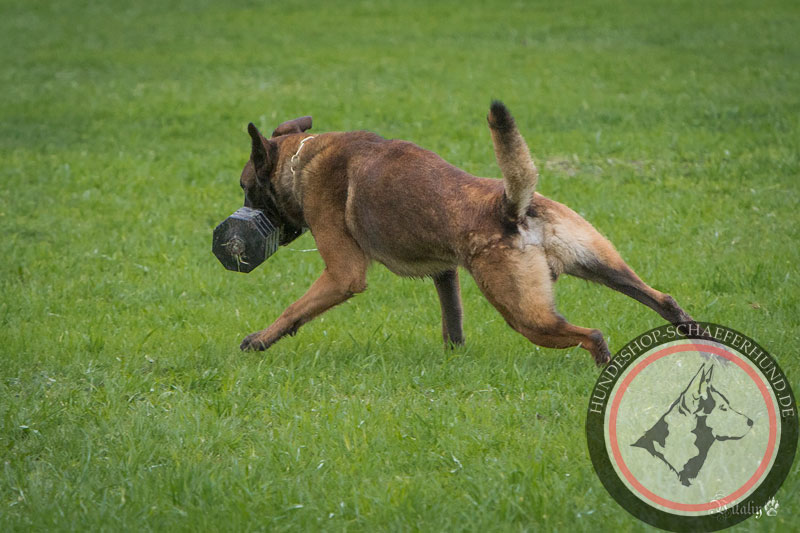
(253, 342)
(602, 357)
(599, 349)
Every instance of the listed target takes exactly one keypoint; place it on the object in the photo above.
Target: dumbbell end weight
(245, 239)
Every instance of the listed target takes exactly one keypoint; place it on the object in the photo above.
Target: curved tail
(519, 173)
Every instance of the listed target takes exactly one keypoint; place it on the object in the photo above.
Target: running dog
(366, 198)
(699, 417)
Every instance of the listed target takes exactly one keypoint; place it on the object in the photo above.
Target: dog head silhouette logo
(700, 416)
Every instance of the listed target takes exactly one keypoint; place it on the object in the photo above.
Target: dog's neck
(291, 175)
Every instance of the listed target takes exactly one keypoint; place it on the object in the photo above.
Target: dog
(365, 198)
(698, 418)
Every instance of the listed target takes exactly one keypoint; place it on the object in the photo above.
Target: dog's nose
(749, 422)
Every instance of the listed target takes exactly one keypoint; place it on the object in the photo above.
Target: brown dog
(366, 198)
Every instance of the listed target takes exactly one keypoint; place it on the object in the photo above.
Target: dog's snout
(749, 422)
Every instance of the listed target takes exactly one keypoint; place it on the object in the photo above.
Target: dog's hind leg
(519, 285)
(605, 266)
(450, 300)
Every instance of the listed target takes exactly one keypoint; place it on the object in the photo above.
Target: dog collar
(296, 156)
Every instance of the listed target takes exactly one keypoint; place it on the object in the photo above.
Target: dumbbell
(245, 239)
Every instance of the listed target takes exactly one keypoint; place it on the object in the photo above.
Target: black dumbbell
(245, 239)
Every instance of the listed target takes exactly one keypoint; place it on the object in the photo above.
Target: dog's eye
(723, 408)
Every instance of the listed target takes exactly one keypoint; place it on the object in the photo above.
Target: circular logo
(693, 427)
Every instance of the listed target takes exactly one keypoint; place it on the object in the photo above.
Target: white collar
(296, 156)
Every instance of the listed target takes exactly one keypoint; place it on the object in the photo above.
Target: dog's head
(708, 403)
(259, 181)
(726, 422)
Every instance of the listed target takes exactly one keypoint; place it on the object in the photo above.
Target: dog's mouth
(288, 230)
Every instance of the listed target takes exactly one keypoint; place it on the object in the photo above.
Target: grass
(125, 403)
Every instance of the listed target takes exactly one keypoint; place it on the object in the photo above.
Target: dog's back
(418, 214)
(411, 210)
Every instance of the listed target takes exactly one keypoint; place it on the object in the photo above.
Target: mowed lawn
(125, 403)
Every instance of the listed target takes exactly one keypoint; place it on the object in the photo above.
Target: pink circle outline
(612, 429)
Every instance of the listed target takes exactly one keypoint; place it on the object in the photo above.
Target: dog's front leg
(450, 299)
(328, 291)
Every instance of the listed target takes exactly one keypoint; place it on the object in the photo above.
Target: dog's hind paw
(599, 350)
(603, 357)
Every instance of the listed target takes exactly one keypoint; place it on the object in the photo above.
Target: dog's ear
(705, 380)
(690, 395)
(298, 125)
(262, 154)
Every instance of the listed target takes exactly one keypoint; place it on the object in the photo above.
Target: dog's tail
(519, 173)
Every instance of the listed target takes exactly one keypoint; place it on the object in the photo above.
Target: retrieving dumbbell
(245, 239)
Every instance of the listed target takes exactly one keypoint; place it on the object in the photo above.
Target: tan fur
(366, 199)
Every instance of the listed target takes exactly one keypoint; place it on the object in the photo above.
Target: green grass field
(125, 403)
